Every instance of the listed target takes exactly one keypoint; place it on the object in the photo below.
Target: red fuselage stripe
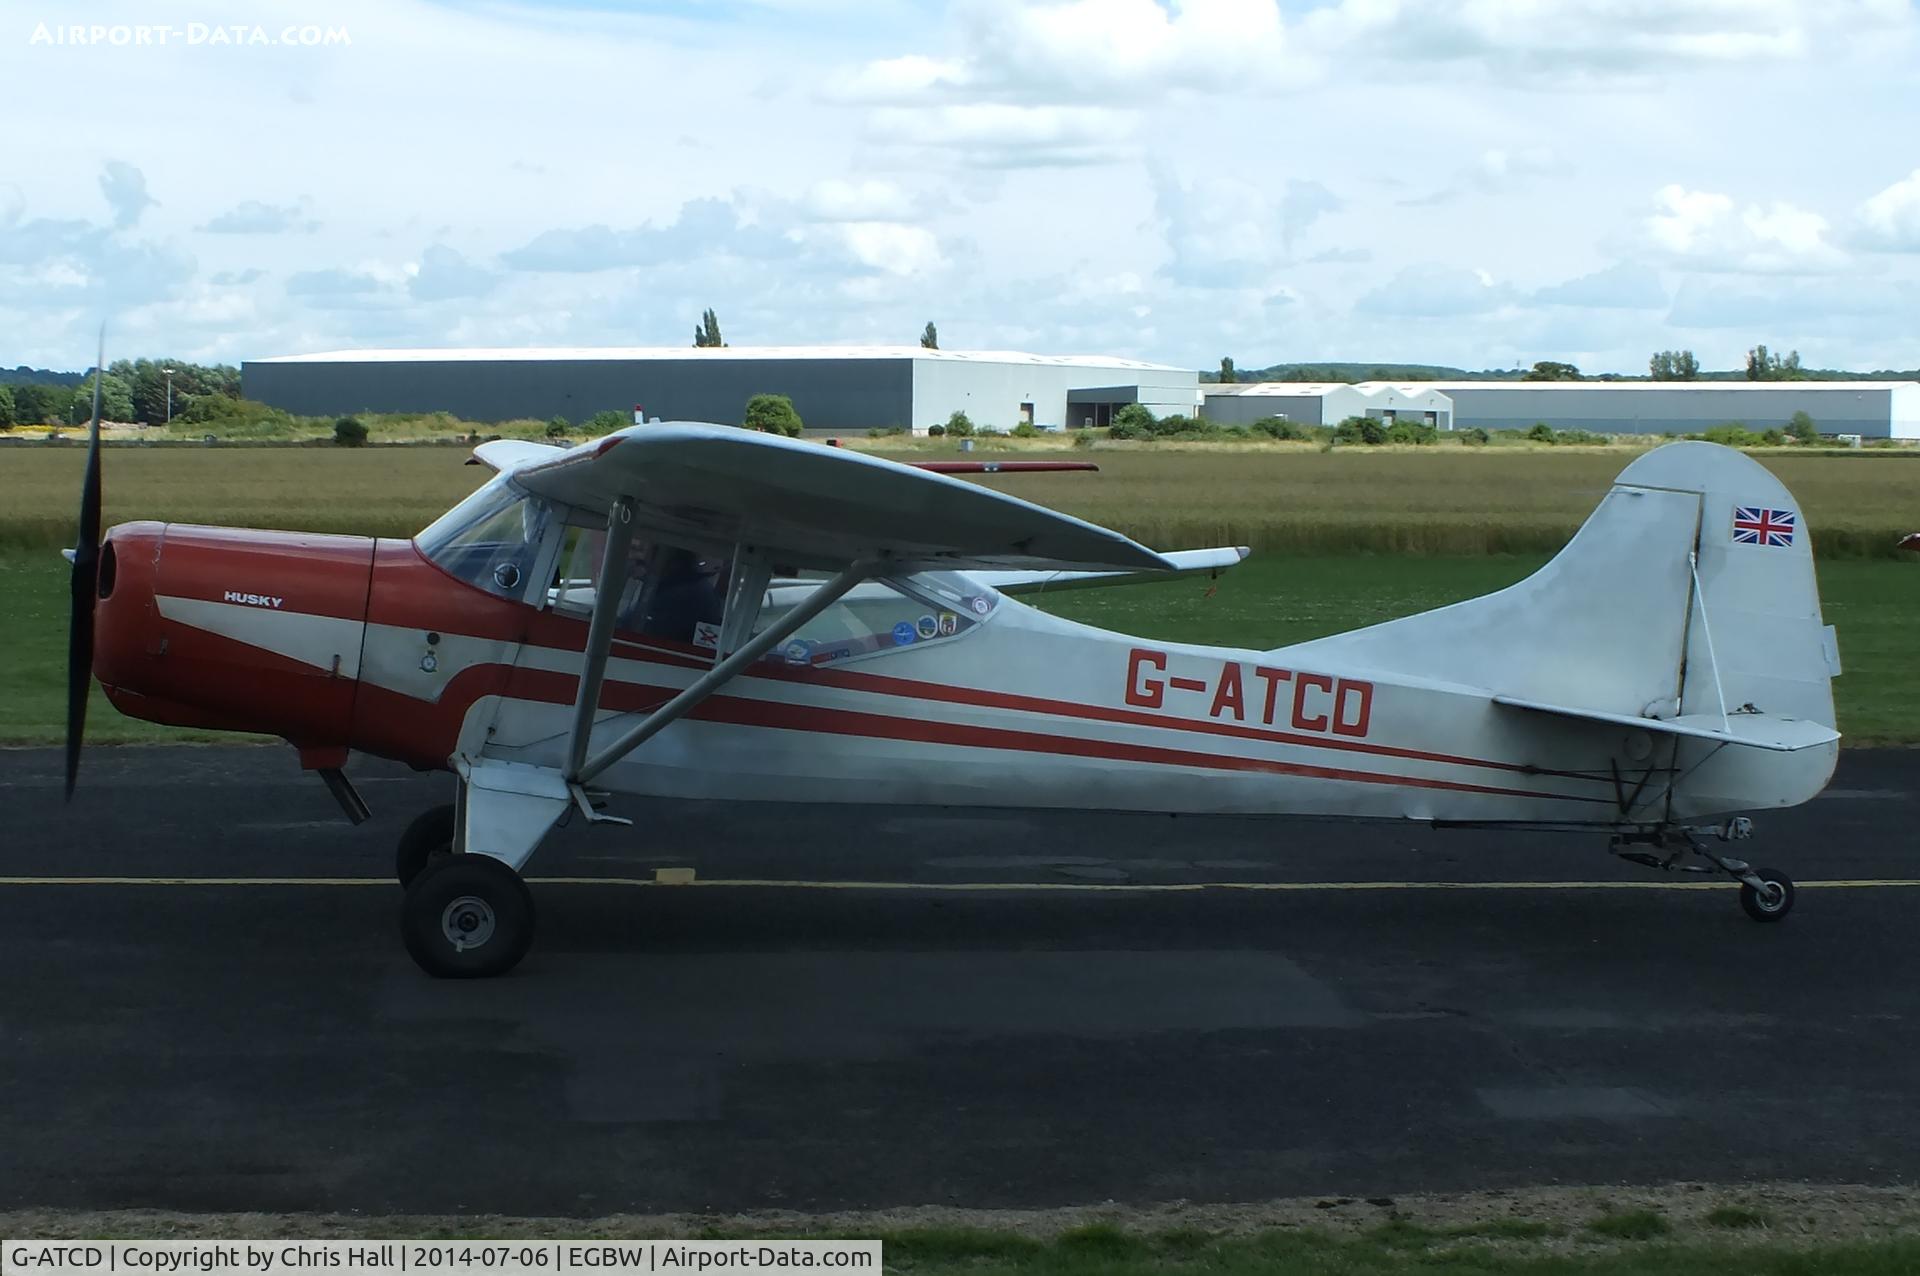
(555, 688)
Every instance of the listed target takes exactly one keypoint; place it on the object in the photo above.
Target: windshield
(491, 539)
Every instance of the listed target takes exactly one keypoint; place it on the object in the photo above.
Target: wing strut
(606, 605)
(707, 683)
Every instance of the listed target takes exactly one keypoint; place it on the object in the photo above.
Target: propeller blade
(85, 584)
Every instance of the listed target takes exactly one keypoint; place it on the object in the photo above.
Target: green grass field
(1345, 539)
(1277, 498)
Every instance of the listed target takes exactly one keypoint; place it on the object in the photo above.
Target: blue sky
(1478, 182)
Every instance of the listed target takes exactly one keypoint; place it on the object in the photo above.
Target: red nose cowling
(233, 630)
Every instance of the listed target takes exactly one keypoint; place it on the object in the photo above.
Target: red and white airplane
(697, 610)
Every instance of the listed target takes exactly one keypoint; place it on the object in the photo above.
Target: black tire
(467, 917)
(429, 837)
(1772, 906)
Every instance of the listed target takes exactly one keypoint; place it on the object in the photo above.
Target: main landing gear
(467, 917)
(1766, 894)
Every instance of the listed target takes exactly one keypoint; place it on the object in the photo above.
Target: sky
(1483, 183)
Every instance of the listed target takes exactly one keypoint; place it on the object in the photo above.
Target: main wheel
(1771, 904)
(467, 917)
(429, 837)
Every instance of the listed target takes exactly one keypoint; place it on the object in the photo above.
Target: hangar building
(1325, 403)
(832, 387)
(1872, 409)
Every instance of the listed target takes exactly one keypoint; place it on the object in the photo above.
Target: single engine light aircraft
(694, 610)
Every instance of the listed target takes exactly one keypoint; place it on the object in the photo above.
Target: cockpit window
(876, 616)
(490, 540)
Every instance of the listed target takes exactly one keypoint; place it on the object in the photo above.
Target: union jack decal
(1755, 526)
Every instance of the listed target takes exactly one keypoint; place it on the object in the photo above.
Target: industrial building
(1871, 409)
(1325, 403)
(834, 388)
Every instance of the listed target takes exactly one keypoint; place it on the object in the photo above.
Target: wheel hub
(467, 922)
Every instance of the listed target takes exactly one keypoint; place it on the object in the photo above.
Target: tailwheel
(1771, 900)
(467, 917)
(426, 840)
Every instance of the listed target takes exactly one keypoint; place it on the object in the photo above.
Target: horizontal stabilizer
(1755, 730)
(1186, 562)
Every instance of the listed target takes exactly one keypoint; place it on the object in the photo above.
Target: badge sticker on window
(798, 652)
(949, 624)
(927, 627)
(903, 634)
(979, 604)
(706, 634)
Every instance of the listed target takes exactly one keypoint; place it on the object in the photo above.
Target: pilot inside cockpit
(670, 591)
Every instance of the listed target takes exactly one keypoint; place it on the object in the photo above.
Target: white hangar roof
(625, 354)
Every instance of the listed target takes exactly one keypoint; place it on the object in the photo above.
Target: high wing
(1184, 562)
(815, 506)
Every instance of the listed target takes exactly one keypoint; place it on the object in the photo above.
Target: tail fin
(1689, 593)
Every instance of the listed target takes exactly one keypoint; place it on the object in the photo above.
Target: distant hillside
(23, 375)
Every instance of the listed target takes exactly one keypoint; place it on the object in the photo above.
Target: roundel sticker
(927, 627)
(903, 633)
(979, 604)
(798, 652)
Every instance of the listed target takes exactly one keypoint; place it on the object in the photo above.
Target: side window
(669, 593)
(875, 617)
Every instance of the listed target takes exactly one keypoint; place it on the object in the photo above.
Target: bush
(1541, 433)
(1025, 430)
(606, 422)
(881, 431)
(1278, 427)
(350, 431)
(1417, 432)
(6, 408)
(772, 414)
(936, 431)
(1133, 421)
(959, 425)
(1368, 430)
(1475, 436)
(558, 427)
(1772, 438)
(1582, 437)
(1083, 438)
(1801, 429)
(1729, 434)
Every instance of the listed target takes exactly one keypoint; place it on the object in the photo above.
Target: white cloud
(1890, 221)
(253, 217)
(1686, 219)
(443, 273)
(1435, 292)
(1006, 135)
(1559, 39)
(1621, 286)
(892, 248)
(126, 190)
(859, 199)
(1704, 230)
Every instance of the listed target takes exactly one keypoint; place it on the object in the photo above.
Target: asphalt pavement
(870, 1006)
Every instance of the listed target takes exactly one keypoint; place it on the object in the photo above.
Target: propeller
(85, 583)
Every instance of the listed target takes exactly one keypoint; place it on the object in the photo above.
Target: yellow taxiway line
(963, 887)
